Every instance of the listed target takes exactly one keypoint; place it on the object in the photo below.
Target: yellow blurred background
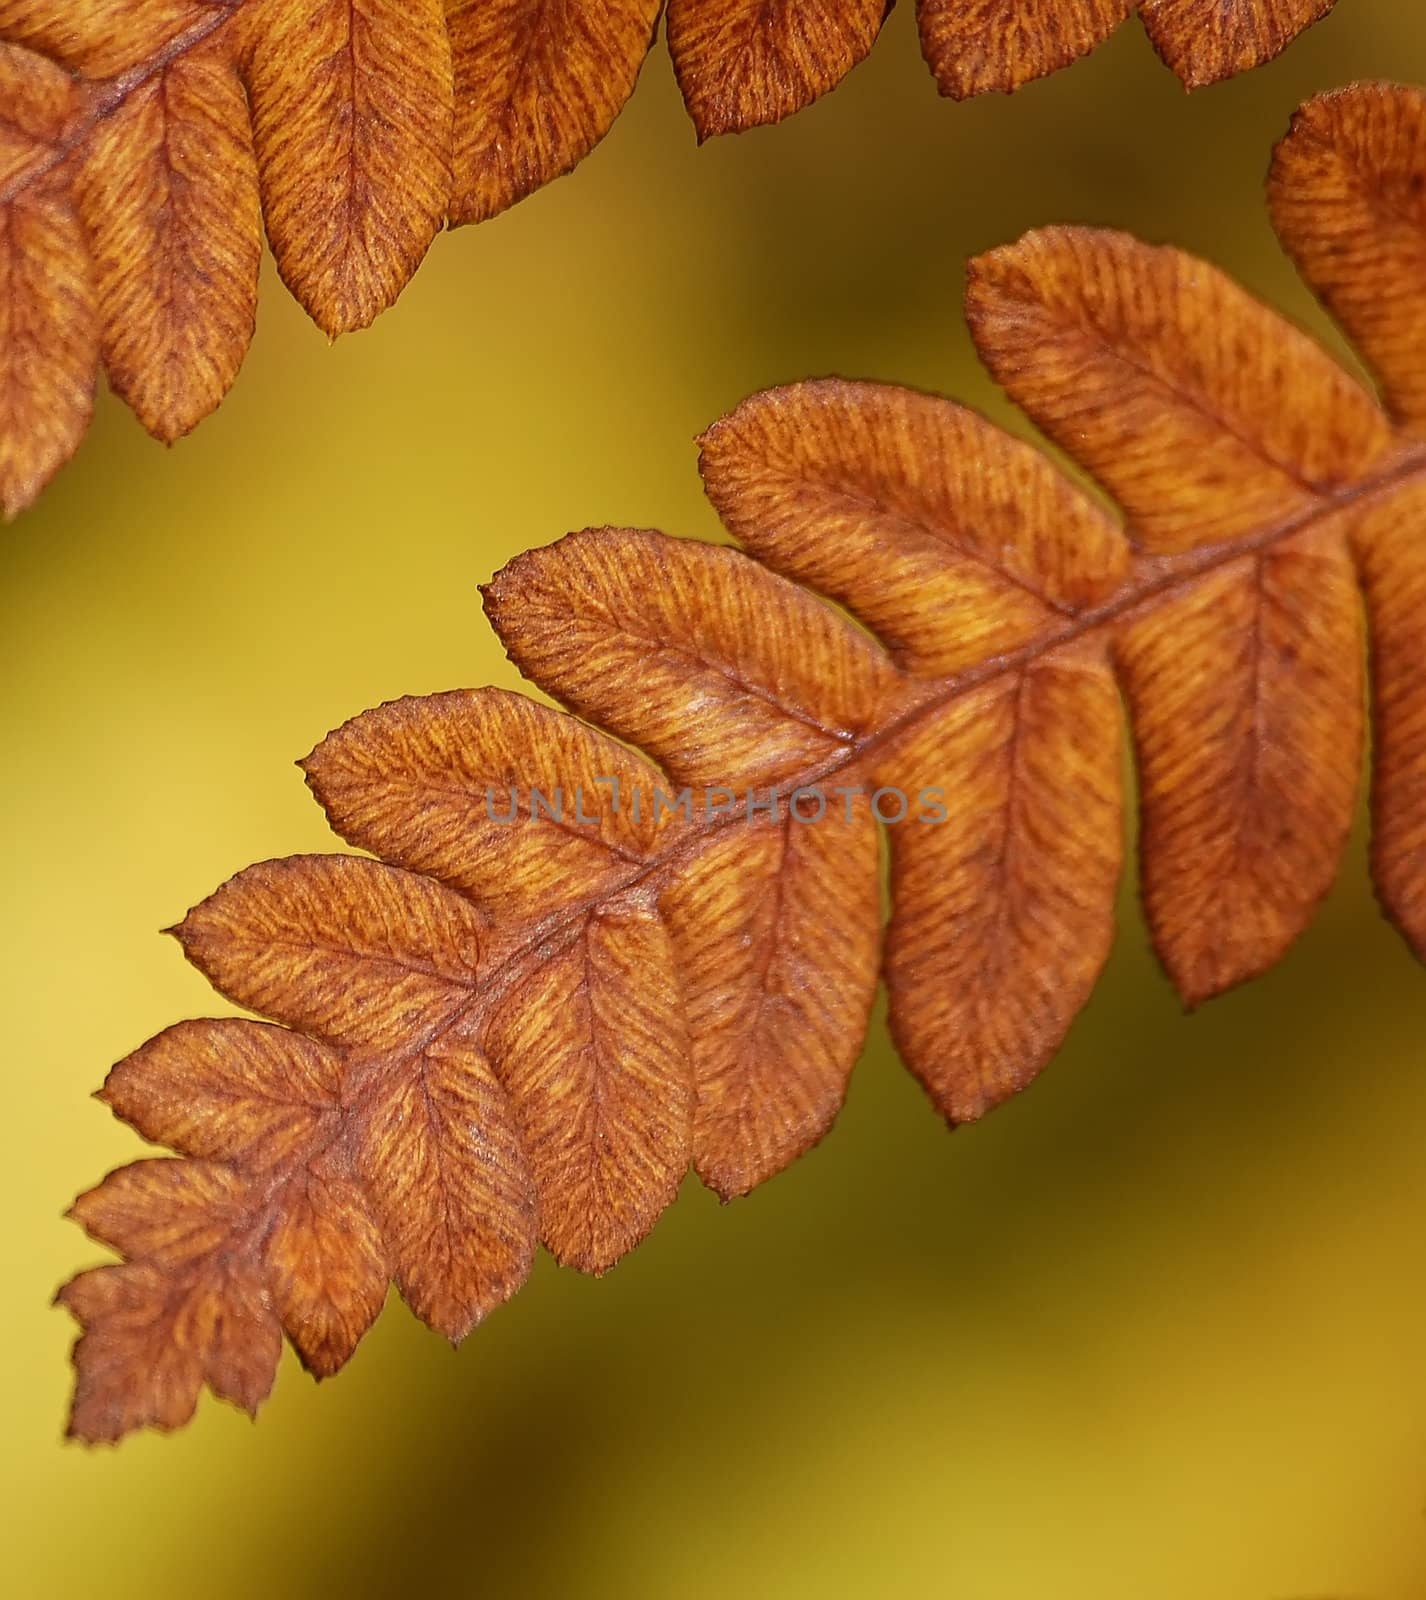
(1156, 1329)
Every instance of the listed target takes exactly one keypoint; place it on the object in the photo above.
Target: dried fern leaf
(976, 46)
(168, 192)
(352, 110)
(180, 115)
(1204, 41)
(145, 142)
(585, 957)
(741, 63)
(49, 323)
(538, 83)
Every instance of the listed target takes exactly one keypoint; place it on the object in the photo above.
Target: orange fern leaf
(744, 62)
(145, 141)
(176, 116)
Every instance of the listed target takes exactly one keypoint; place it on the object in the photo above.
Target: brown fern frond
(143, 142)
(744, 62)
(582, 963)
(147, 141)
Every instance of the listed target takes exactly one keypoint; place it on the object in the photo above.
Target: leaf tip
(16, 498)
(1195, 992)
(76, 1433)
(311, 765)
(1197, 981)
(986, 274)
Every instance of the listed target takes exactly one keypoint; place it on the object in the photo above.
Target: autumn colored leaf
(978, 45)
(146, 142)
(136, 207)
(579, 960)
(172, 177)
(49, 335)
(538, 83)
(775, 939)
(1349, 203)
(1206, 40)
(352, 108)
(744, 62)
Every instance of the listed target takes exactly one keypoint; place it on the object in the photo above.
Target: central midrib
(107, 95)
(366, 1075)
(940, 692)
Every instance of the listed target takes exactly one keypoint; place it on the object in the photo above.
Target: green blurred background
(1153, 1330)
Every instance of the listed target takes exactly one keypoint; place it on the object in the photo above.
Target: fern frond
(143, 143)
(594, 948)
